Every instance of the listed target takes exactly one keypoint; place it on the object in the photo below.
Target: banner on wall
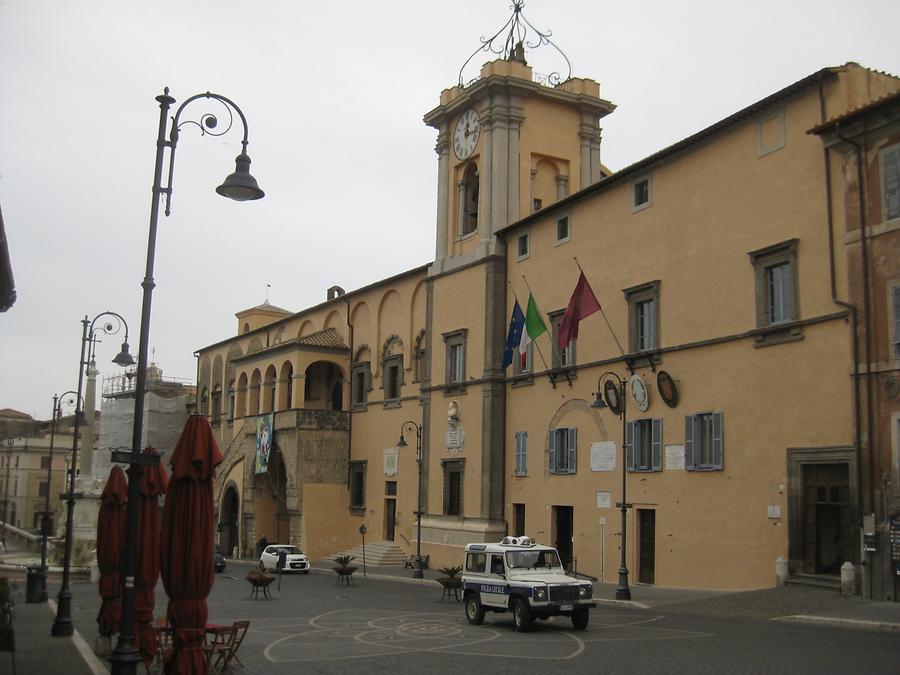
(265, 428)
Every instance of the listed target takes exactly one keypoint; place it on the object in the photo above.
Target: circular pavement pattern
(349, 634)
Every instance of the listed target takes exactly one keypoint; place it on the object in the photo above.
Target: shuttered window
(890, 171)
(895, 338)
(357, 486)
(521, 453)
(704, 442)
(563, 450)
(643, 445)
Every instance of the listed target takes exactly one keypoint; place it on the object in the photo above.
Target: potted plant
(344, 568)
(7, 634)
(451, 581)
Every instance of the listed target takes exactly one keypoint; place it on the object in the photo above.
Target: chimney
(335, 292)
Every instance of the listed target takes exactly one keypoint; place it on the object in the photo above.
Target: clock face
(466, 135)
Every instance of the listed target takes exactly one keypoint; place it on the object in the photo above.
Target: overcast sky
(334, 94)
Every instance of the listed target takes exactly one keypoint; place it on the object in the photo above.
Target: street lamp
(611, 394)
(239, 186)
(45, 521)
(412, 426)
(62, 625)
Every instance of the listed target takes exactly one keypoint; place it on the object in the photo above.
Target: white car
(295, 559)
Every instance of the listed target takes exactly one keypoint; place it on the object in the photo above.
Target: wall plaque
(390, 461)
(603, 456)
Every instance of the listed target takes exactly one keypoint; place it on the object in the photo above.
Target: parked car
(295, 559)
(218, 561)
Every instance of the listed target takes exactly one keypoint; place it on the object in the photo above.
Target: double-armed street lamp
(62, 625)
(45, 521)
(239, 186)
(611, 394)
(411, 426)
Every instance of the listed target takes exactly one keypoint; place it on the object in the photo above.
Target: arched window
(204, 402)
(468, 200)
(216, 404)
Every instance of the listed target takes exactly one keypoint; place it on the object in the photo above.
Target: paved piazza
(312, 625)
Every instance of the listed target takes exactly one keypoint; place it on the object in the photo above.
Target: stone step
(377, 553)
(817, 580)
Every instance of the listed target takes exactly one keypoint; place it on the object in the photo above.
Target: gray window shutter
(657, 445)
(629, 446)
(571, 449)
(689, 462)
(895, 292)
(651, 327)
(787, 292)
(718, 445)
(891, 164)
(553, 451)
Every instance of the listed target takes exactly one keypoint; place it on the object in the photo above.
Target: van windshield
(542, 559)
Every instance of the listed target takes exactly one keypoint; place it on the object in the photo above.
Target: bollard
(848, 579)
(781, 571)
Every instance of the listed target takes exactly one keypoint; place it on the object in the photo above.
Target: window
(770, 133)
(562, 450)
(390, 488)
(232, 400)
(643, 317)
(563, 230)
(476, 562)
(456, 357)
(392, 378)
(45, 462)
(519, 520)
(468, 201)
(775, 270)
(895, 334)
(524, 361)
(643, 445)
(890, 182)
(453, 487)
(217, 404)
(361, 379)
(204, 402)
(521, 453)
(703, 442)
(522, 246)
(537, 205)
(358, 487)
(43, 488)
(562, 358)
(641, 194)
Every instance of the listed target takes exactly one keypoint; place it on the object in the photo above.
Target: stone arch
(255, 345)
(204, 372)
(468, 199)
(363, 353)
(361, 320)
(285, 387)
(390, 318)
(229, 518)
(267, 395)
(240, 399)
(336, 320)
(216, 397)
(392, 346)
(569, 414)
(253, 397)
(321, 380)
(270, 490)
(545, 185)
(306, 328)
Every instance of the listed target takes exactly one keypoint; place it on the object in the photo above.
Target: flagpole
(608, 324)
(534, 342)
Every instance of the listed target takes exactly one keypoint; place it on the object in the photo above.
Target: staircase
(831, 582)
(377, 553)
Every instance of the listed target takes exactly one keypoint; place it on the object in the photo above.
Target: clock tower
(510, 142)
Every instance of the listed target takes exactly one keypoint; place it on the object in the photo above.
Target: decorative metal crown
(511, 40)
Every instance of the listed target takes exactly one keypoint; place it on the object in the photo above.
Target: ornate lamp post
(240, 186)
(611, 394)
(62, 626)
(45, 520)
(412, 426)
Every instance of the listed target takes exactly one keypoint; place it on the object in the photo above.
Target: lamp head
(241, 186)
(124, 358)
(598, 400)
(402, 442)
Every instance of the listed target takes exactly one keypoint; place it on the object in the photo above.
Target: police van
(525, 578)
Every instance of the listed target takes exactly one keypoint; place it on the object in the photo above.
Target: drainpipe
(867, 344)
(854, 322)
(350, 407)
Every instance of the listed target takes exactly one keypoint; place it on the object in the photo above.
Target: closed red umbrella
(110, 543)
(154, 481)
(187, 543)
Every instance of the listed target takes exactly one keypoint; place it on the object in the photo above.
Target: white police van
(525, 578)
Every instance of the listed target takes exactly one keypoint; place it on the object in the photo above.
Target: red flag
(581, 305)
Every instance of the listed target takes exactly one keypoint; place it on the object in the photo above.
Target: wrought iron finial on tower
(511, 40)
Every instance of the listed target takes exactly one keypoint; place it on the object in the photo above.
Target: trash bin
(34, 584)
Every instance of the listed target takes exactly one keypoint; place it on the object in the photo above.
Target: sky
(334, 95)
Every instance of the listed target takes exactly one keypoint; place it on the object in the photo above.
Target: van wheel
(522, 618)
(580, 618)
(474, 610)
